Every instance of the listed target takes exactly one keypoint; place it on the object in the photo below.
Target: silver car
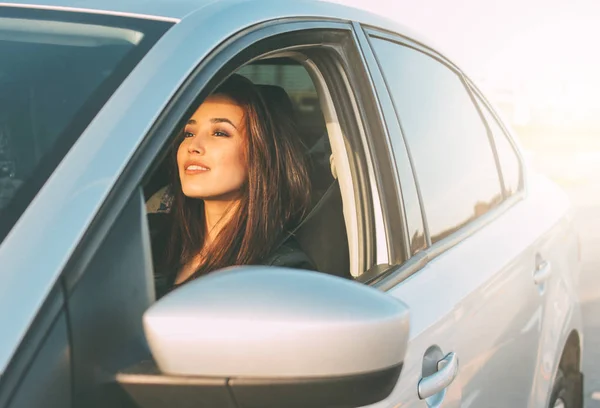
(447, 271)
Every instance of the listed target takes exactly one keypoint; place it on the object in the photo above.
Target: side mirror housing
(258, 336)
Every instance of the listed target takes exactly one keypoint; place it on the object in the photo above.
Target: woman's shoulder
(290, 255)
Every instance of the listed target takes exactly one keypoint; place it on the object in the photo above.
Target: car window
(331, 229)
(450, 150)
(322, 235)
(57, 70)
(509, 161)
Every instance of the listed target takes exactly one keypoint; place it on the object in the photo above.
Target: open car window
(284, 84)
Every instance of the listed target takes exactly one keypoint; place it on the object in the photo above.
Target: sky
(544, 50)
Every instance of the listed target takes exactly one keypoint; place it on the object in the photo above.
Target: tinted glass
(447, 140)
(509, 161)
(56, 71)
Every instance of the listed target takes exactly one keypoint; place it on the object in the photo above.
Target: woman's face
(211, 158)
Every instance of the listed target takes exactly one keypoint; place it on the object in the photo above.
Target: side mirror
(258, 336)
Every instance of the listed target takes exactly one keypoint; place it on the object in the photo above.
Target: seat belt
(310, 214)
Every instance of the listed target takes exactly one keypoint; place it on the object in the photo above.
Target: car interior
(286, 84)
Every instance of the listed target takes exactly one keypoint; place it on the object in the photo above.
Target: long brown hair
(274, 198)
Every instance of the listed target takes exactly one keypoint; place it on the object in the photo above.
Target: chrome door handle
(542, 273)
(447, 371)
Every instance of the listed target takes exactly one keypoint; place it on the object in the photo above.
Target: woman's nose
(196, 145)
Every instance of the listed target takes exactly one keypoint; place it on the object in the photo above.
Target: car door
(100, 266)
(471, 292)
(557, 264)
(106, 272)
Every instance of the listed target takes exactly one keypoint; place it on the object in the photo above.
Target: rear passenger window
(448, 142)
(509, 161)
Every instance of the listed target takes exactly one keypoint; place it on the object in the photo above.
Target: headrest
(277, 99)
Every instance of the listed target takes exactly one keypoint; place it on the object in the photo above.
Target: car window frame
(393, 214)
(388, 116)
(198, 85)
(507, 133)
(390, 277)
(223, 61)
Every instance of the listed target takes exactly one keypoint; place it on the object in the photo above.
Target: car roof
(167, 9)
(175, 10)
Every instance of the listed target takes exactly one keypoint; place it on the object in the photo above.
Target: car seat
(322, 234)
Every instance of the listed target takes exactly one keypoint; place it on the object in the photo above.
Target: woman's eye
(188, 134)
(220, 133)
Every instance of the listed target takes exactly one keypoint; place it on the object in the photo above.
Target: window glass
(509, 161)
(56, 71)
(447, 140)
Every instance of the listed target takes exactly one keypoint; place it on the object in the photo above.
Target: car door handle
(447, 371)
(542, 273)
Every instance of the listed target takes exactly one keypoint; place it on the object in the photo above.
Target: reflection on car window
(448, 142)
(57, 69)
(509, 161)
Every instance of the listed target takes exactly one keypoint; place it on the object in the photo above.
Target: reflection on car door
(475, 296)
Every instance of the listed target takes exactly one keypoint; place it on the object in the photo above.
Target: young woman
(240, 185)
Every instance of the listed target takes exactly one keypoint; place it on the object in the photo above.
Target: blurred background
(537, 61)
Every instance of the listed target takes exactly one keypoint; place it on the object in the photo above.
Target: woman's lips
(195, 169)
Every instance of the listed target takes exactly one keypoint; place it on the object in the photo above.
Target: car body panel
(176, 10)
(76, 9)
(562, 308)
(469, 309)
(173, 9)
(492, 314)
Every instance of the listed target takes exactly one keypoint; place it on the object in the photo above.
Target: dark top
(289, 255)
